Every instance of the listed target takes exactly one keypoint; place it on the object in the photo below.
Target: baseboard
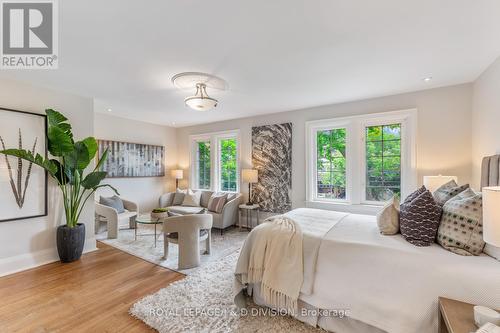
(26, 261)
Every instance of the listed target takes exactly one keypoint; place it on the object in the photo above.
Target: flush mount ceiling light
(200, 101)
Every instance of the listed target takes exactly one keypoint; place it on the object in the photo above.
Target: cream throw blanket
(275, 261)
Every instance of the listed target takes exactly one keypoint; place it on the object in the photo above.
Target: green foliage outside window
(383, 162)
(228, 166)
(331, 163)
(204, 165)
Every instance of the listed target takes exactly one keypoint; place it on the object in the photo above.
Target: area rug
(222, 246)
(203, 302)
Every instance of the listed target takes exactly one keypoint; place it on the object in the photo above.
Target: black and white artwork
(24, 185)
(272, 157)
(127, 159)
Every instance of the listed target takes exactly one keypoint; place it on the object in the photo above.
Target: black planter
(70, 242)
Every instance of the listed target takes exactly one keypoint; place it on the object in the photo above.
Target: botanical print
(24, 186)
(132, 159)
(272, 157)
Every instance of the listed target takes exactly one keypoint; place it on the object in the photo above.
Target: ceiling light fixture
(428, 79)
(201, 101)
(109, 110)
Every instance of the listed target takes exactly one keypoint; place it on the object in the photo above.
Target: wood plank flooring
(90, 295)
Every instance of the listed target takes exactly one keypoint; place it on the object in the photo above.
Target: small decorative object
(483, 315)
(250, 176)
(177, 174)
(159, 213)
(491, 215)
(432, 183)
(272, 157)
(69, 161)
(132, 159)
(24, 192)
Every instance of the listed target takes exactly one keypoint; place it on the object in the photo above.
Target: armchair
(187, 231)
(113, 219)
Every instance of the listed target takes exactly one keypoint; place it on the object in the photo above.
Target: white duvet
(385, 281)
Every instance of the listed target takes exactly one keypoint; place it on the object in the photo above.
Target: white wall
(444, 132)
(32, 242)
(145, 190)
(485, 118)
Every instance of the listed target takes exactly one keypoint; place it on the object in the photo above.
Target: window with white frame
(361, 159)
(215, 161)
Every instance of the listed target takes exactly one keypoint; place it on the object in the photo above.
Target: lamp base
(249, 203)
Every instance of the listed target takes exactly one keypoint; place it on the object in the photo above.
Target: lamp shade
(178, 174)
(249, 175)
(432, 183)
(491, 215)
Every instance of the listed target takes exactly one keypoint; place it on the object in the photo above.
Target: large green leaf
(91, 144)
(106, 185)
(60, 143)
(93, 179)
(56, 119)
(37, 159)
(103, 158)
(79, 158)
(61, 176)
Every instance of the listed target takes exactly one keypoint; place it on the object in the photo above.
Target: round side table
(249, 209)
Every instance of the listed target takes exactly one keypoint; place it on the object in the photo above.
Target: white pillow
(192, 198)
(388, 218)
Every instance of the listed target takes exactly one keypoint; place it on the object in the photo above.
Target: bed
(383, 283)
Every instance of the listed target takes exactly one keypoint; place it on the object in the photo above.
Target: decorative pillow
(113, 202)
(461, 229)
(415, 194)
(217, 202)
(448, 191)
(192, 198)
(419, 219)
(178, 197)
(388, 218)
(231, 196)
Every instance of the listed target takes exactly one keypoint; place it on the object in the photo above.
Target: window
(331, 163)
(228, 170)
(215, 161)
(383, 162)
(361, 159)
(203, 166)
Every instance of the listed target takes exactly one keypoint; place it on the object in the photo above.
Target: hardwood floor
(90, 295)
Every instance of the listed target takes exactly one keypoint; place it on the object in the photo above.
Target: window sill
(365, 209)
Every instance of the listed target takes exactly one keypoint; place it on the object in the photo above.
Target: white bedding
(386, 282)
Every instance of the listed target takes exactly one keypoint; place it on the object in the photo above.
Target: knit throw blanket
(272, 255)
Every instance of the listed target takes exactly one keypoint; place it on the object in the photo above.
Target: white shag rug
(222, 246)
(203, 302)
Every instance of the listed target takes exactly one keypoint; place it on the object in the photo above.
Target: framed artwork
(127, 159)
(24, 185)
(272, 157)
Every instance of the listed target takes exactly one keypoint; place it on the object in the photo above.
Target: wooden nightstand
(456, 316)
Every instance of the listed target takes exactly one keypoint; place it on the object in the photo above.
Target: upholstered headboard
(490, 171)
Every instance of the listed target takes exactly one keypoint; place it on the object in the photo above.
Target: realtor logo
(29, 34)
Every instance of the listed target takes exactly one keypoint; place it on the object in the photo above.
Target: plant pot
(70, 242)
(158, 216)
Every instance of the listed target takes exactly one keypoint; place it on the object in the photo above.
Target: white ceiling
(276, 55)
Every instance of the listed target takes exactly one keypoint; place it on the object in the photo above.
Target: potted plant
(67, 166)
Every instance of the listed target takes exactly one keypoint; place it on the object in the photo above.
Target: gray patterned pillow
(448, 191)
(415, 194)
(461, 229)
(419, 219)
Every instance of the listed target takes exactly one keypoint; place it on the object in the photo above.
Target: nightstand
(456, 316)
(248, 209)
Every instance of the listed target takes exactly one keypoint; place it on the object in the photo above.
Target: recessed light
(109, 110)
(428, 79)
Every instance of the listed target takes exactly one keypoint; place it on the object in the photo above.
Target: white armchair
(187, 231)
(113, 219)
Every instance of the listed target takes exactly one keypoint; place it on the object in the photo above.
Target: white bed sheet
(387, 282)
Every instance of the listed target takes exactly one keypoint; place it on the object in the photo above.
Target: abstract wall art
(24, 185)
(127, 159)
(272, 157)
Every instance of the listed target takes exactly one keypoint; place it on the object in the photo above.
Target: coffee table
(147, 219)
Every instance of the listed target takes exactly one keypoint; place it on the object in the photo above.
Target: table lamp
(177, 174)
(432, 183)
(249, 176)
(491, 215)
